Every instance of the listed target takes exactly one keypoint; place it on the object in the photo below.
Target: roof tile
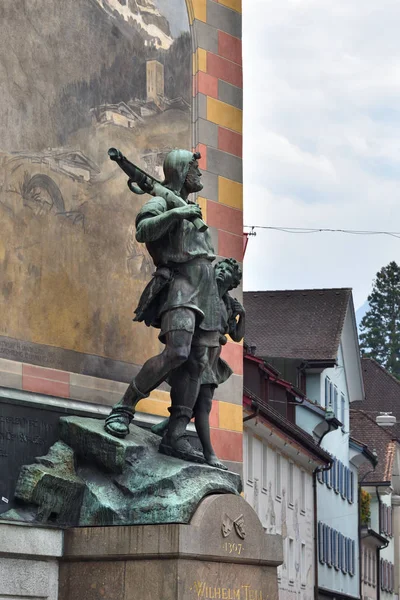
(304, 324)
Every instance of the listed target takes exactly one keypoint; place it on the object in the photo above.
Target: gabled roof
(303, 324)
(379, 439)
(382, 392)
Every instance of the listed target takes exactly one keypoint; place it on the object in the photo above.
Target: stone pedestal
(29, 562)
(222, 553)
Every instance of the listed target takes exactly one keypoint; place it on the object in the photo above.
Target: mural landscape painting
(86, 75)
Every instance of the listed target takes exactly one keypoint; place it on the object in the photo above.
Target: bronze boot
(117, 422)
(175, 440)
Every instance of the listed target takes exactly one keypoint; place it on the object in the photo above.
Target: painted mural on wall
(77, 77)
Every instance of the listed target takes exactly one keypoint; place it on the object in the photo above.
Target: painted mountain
(144, 17)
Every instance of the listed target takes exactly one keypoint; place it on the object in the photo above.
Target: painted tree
(380, 327)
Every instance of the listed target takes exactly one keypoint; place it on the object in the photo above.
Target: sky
(321, 141)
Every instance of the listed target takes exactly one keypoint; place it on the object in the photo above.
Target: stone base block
(29, 562)
(222, 553)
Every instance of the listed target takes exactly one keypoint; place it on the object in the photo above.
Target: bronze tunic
(185, 274)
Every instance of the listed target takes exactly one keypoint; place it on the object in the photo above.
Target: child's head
(228, 273)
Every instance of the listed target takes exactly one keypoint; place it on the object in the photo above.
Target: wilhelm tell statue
(79, 481)
(187, 299)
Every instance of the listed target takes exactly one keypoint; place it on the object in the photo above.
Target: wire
(309, 230)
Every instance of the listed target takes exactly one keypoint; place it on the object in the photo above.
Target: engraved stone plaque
(26, 431)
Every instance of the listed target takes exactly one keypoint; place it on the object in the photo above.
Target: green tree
(380, 327)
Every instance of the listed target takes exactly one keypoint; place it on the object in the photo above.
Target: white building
(279, 461)
(311, 337)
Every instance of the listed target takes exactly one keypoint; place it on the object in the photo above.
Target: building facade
(380, 490)
(278, 472)
(311, 336)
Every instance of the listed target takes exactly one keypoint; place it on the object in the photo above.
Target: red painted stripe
(224, 69)
(233, 354)
(214, 415)
(224, 217)
(53, 374)
(230, 47)
(207, 84)
(230, 141)
(228, 445)
(230, 244)
(202, 148)
(45, 386)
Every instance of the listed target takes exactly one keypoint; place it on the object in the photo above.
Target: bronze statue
(182, 299)
(228, 276)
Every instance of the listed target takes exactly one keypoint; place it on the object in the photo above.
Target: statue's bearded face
(192, 181)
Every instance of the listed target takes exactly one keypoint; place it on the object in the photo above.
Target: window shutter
(344, 554)
(333, 469)
(337, 476)
(351, 486)
(320, 543)
(329, 546)
(325, 532)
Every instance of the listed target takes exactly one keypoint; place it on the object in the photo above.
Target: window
(329, 478)
(291, 560)
(329, 546)
(340, 476)
(302, 492)
(373, 569)
(303, 569)
(327, 391)
(333, 548)
(344, 555)
(278, 484)
(365, 565)
(340, 550)
(350, 496)
(352, 569)
(321, 554)
(383, 574)
(335, 558)
(249, 457)
(264, 482)
(290, 484)
(343, 411)
(335, 402)
(336, 476)
(369, 567)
